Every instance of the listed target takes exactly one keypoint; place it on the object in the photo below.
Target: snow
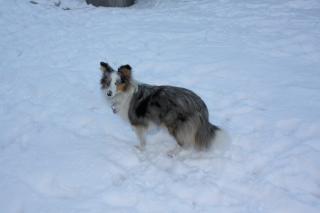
(255, 63)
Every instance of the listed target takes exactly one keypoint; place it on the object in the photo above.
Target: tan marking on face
(121, 87)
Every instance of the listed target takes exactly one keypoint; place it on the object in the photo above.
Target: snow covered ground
(255, 63)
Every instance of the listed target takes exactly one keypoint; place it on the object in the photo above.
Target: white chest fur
(121, 103)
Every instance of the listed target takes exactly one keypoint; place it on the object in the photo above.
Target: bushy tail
(205, 135)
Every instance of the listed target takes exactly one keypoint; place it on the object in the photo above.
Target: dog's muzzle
(109, 93)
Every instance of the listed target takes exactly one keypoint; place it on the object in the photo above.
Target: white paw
(140, 148)
(172, 153)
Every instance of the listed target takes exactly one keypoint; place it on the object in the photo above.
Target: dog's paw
(140, 148)
(174, 152)
(170, 155)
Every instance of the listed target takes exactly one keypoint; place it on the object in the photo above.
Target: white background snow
(255, 63)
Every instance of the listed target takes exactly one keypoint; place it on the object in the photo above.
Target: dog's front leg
(141, 132)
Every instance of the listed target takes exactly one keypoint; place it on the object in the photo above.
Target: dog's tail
(208, 135)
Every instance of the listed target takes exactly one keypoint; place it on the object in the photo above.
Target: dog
(183, 113)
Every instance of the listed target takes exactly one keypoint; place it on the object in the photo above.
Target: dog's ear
(125, 72)
(105, 67)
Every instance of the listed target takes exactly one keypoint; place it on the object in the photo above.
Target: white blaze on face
(111, 91)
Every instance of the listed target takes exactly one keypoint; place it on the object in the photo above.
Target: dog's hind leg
(141, 132)
(184, 136)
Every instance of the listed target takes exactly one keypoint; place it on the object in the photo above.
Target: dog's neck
(120, 103)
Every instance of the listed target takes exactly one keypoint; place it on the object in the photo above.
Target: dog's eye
(117, 82)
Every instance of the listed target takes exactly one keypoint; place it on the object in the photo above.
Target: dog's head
(114, 82)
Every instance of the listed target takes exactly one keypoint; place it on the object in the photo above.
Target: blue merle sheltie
(179, 110)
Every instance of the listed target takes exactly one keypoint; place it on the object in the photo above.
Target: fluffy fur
(180, 110)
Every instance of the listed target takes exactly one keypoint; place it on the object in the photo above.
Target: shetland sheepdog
(179, 110)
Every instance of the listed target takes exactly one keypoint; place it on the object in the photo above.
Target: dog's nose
(109, 93)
